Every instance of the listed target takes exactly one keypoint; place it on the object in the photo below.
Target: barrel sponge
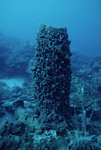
(52, 68)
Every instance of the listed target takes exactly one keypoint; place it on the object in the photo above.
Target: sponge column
(52, 70)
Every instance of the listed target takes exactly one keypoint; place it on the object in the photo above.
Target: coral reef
(91, 96)
(24, 122)
(88, 69)
(14, 57)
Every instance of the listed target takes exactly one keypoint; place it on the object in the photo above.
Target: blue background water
(21, 19)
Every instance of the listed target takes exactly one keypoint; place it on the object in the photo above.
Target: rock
(18, 103)
(61, 131)
(16, 89)
(1, 113)
(10, 109)
(2, 145)
(17, 128)
(38, 131)
(99, 88)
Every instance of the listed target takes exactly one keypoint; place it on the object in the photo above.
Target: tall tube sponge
(52, 71)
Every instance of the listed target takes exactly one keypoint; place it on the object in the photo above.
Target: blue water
(21, 19)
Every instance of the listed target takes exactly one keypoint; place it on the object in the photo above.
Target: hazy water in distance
(21, 19)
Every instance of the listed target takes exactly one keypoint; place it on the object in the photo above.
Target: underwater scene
(50, 75)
